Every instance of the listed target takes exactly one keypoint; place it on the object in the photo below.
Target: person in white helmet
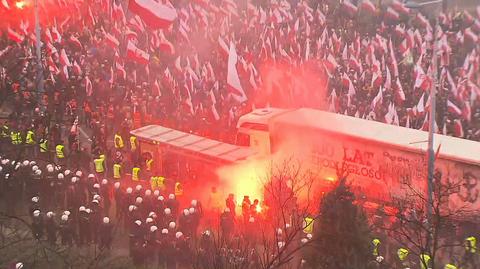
(34, 205)
(37, 225)
(185, 223)
(66, 231)
(19, 265)
(51, 228)
(151, 244)
(173, 204)
(106, 233)
(84, 226)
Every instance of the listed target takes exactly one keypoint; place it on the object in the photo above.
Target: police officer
(60, 153)
(106, 234)
(37, 225)
(51, 228)
(173, 204)
(66, 231)
(470, 251)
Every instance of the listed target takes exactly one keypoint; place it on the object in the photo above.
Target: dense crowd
(106, 72)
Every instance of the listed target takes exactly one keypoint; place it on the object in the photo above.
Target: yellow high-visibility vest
(424, 261)
(471, 244)
(29, 139)
(178, 189)
(59, 151)
(102, 156)
(43, 145)
(16, 138)
(161, 183)
(450, 266)
(133, 143)
(118, 141)
(116, 171)
(308, 225)
(98, 165)
(402, 254)
(5, 131)
(135, 173)
(148, 164)
(153, 182)
(376, 245)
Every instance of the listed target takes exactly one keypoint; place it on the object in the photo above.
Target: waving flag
(15, 36)
(136, 54)
(154, 14)
(233, 80)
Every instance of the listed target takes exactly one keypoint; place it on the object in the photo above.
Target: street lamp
(430, 151)
(39, 54)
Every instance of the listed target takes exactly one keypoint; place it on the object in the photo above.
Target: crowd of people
(107, 72)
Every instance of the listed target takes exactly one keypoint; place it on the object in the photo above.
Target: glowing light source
(20, 4)
(330, 178)
(258, 208)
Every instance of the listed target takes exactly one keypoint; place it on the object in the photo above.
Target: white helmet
(148, 192)
(138, 187)
(287, 225)
(96, 186)
(60, 176)
(129, 190)
(38, 172)
(178, 235)
(82, 208)
(160, 198)
(35, 199)
(186, 212)
(104, 181)
(91, 176)
(172, 225)
(152, 215)
(74, 179)
(1, 168)
(153, 228)
(50, 214)
(106, 220)
(191, 210)
(138, 200)
(66, 212)
(156, 192)
(164, 231)
(379, 259)
(131, 208)
(194, 203)
(304, 240)
(17, 166)
(33, 163)
(49, 165)
(138, 222)
(207, 233)
(96, 197)
(36, 213)
(79, 173)
(148, 220)
(116, 185)
(167, 211)
(251, 220)
(309, 236)
(64, 217)
(19, 265)
(279, 231)
(281, 244)
(88, 210)
(50, 169)
(26, 162)
(226, 210)
(67, 172)
(95, 202)
(171, 196)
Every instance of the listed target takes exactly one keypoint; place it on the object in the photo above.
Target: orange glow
(258, 209)
(330, 179)
(20, 4)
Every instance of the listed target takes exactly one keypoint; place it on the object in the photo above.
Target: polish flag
(167, 47)
(458, 128)
(121, 71)
(155, 15)
(136, 54)
(421, 106)
(378, 99)
(331, 64)
(400, 7)
(118, 13)
(399, 93)
(5, 5)
(88, 87)
(392, 15)
(15, 36)
(470, 35)
(76, 42)
(421, 20)
(452, 108)
(368, 6)
(111, 41)
(233, 80)
(223, 46)
(64, 58)
(350, 8)
(77, 69)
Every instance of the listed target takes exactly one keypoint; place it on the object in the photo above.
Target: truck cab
(253, 129)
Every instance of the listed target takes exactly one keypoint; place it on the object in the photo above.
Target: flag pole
(40, 89)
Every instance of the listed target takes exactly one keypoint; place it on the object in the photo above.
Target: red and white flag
(452, 108)
(64, 61)
(420, 108)
(120, 71)
(5, 5)
(88, 86)
(378, 99)
(136, 54)
(350, 8)
(15, 36)
(399, 93)
(369, 7)
(111, 41)
(392, 15)
(76, 42)
(77, 69)
(233, 80)
(458, 128)
(154, 14)
(118, 13)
